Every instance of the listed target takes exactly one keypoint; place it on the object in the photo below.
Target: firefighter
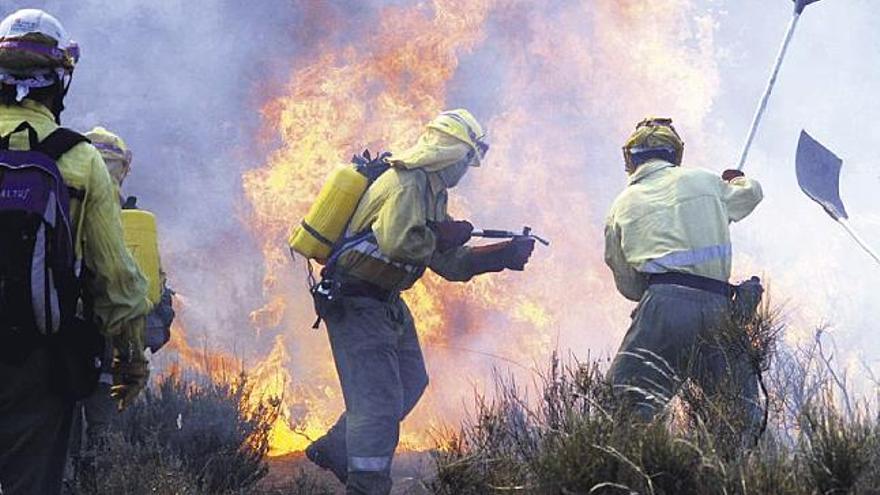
(667, 242)
(141, 238)
(38, 388)
(400, 228)
(95, 414)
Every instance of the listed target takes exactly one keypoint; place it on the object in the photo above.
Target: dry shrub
(578, 439)
(187, 437)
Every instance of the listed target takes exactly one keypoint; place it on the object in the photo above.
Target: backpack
(39, 286)
(141, 239)
(157, 332)
(317, 236)
(325, 291)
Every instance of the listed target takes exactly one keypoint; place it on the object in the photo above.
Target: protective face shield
(118, 170)
(114, 151)
(451, 144)
(654, 138)
(452, 175)
(35, 52)
(433, 152)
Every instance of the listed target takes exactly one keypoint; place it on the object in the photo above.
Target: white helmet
(35, 51)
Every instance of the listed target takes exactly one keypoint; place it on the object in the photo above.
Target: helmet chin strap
(58, 101)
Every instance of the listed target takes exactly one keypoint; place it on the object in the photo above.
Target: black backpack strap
(60, 142)
(32, 136)
(57, 144)
(75, 193)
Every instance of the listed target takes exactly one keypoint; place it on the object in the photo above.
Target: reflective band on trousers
(692, 257)
(369, 463)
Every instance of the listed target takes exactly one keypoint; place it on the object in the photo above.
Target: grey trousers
(92, 418)
(673, 338)
(382, 373)
(34, 429)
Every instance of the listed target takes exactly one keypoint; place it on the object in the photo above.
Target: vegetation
(580, 438)
(190, 437)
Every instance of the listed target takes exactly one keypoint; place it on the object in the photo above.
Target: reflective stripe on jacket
(117, 287)
(674, 219)
(395, 212)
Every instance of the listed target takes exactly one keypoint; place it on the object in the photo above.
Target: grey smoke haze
(827, 87)
(183, 82)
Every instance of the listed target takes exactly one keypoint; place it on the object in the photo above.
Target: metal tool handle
(864, 245)
(765, 99)
(494, 234)
(506, 234)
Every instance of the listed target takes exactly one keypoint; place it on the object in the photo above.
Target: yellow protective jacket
(397, 243)
(115, 283)
(674, 219)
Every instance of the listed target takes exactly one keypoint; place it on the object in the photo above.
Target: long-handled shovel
(818, 174)
(799, 6)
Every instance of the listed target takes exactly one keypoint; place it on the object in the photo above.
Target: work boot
(329, 453)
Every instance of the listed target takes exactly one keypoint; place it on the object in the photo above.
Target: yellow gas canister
(327, 218)
(142, 241)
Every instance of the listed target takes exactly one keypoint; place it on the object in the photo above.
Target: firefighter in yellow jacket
(667, 242)
(400, 228)
(36, 62)
(140, 235)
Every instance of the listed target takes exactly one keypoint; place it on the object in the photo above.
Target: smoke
(194, 88)
(183, 84)
(556, 106)
(825, 87)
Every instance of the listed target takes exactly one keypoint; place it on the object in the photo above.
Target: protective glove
(452, 234)
(511, 255)
(129, 378)
(731, 174)
(130, 369)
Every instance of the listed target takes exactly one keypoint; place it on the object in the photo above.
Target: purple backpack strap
(31, 182)
(42, 157)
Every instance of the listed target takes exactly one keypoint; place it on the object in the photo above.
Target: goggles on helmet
(480, 146)
(115, 150)
(65, 57)
(658, 122)
(634, 154)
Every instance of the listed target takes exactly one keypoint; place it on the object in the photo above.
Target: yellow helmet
(462, 125)
(115, 152)
(653, 138)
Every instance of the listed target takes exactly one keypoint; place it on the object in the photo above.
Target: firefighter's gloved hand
(731, 174)
(512, 255)
(518, 253)
(129, 378)
(452, 234)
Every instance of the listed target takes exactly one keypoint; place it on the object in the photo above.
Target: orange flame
(348, 98)
(574, 75)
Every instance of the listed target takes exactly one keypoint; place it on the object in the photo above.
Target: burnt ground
(409, 469)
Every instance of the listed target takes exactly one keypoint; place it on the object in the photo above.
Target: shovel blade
(800, 5)
(818, 174)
